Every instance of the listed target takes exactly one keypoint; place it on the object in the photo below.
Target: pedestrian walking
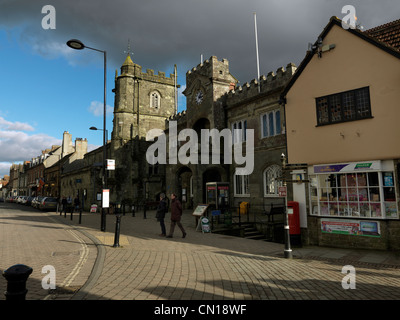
(76, 203)
(160, 215)
(64, 204)
(176, 214)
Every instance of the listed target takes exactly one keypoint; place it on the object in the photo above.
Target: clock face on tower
(199, 97)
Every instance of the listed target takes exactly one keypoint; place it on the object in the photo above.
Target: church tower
(205, 85)
(143, 101)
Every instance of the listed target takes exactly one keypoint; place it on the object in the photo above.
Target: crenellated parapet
(210, 68)
(180, 118)
(133, 70)
(265, 84)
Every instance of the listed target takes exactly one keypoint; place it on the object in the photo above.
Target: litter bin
(244, 207)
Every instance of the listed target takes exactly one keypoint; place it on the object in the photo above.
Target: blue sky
(47, 88)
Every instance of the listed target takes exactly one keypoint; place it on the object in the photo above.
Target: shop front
(355, 199)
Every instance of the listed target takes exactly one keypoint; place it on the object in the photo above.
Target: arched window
(155, 100)
(271, 177)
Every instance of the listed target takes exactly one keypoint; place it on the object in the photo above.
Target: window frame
(235, 134)
(367, 198)
(333, 117)
(153, 99)
(243, 184)
(274, 168)
(266, 125)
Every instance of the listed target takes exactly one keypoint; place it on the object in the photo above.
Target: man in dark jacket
(160, 215)
(176, 214)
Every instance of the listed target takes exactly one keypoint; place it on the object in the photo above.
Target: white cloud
(52, 49)
(18, 126)
(19, 146)
(16, 145)
(97, 108)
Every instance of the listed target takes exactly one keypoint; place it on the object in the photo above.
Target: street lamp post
(103, 215)
(288, 250)
(78, 45)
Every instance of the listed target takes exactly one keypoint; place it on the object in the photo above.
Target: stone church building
(145, 101)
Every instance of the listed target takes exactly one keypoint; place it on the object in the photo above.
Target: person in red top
(176, 214)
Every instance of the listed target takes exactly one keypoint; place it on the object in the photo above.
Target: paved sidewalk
(37, 239)
(200, 267)
(214, 267)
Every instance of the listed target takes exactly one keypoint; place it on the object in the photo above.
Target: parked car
(36, 201)
(22, 200)
(28, 201)
(48, 203)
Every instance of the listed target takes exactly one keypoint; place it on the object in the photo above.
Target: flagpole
(258, 63)
(176, 92)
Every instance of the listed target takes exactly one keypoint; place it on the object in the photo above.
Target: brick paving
(199, 267)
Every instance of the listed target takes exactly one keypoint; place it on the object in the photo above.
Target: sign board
(351, 227)
(110, 164)
(93, 208)
(205, 225)
(282, 191)
(216, 212)
(348, 167)
(200, 209)
(106, 198)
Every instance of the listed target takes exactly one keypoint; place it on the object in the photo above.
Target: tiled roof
(388, 33)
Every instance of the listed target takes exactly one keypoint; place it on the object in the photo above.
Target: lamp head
(75, 44)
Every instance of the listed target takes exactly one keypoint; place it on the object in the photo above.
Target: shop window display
(361, 194)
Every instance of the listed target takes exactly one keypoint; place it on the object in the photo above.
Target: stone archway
(184, 186)
(202, 123)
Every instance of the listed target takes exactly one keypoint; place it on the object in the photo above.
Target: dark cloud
(167, 32)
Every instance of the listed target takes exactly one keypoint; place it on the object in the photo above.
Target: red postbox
(294, 222)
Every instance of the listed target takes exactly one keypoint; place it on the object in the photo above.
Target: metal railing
(267, 221)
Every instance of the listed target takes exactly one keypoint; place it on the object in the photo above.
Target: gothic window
(155, 100)
(271, 180)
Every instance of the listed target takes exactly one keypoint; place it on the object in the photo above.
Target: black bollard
(144, 211)
(72, 211)
(16, 277)
(103, 220)
(117, 231)
(80, 215)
